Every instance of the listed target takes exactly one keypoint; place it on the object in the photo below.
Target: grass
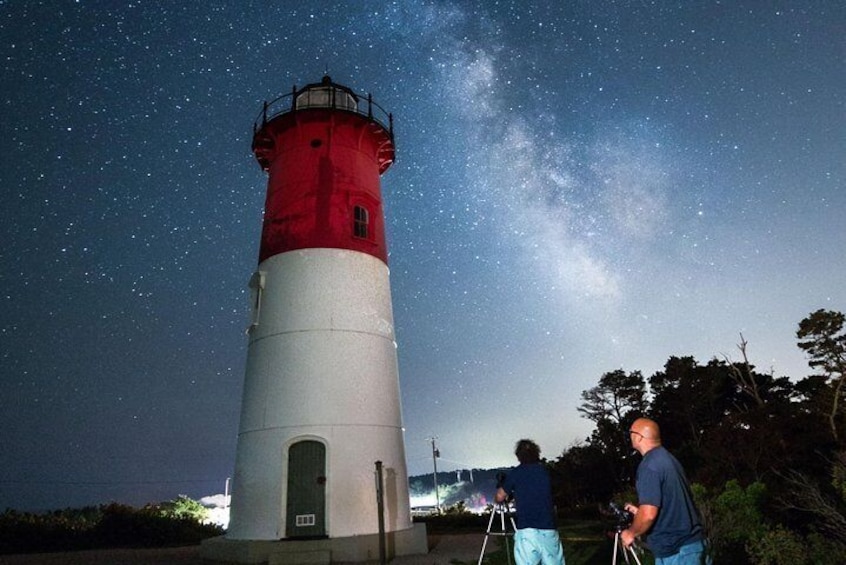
(585, 543)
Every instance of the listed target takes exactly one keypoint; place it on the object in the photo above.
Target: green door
(306, 510)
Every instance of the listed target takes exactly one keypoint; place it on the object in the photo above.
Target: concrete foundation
(356, 549)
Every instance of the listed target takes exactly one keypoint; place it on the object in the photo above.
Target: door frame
(285, 528)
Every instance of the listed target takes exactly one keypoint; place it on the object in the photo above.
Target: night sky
(580, 187)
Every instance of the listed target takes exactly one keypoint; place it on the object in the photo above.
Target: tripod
(502, 509)
(618, 546)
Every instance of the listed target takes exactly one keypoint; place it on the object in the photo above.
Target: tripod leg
(620, 548)
(634, 554)
(487, 535)
(505, 535)
(616, 543)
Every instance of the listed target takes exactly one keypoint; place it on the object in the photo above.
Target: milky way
(579, 187)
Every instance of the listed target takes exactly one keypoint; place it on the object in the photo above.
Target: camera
(622, 516)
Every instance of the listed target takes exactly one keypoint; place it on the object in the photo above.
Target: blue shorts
(690, 554)
(533, 546)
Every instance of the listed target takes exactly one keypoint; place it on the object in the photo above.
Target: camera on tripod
(623, 519)
(500, 481)
(622, 516)
(505, 511)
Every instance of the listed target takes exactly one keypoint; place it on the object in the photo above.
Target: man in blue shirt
(665, 512)
(536, 539)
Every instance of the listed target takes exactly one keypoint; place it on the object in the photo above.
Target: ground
(443, 550)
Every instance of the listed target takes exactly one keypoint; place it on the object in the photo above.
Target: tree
(689, 400)
(744, 376)
(723, 420)
(740, 431)
(583, 475)
(613, 405)
(616, 396)
(822, 336)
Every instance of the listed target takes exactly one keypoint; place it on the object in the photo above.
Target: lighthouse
(320, 456)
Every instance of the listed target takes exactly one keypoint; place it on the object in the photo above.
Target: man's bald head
(645, 434)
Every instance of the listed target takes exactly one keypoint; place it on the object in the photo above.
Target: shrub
(733, 518)
(112, 525)
(777, 547)
(183, 507)
(823, 550)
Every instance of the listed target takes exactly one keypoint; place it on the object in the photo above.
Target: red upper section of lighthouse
(324, 156)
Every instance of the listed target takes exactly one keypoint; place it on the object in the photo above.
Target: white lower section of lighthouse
(321, 402)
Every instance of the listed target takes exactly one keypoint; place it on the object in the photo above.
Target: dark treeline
(175, 523)
(767, 454)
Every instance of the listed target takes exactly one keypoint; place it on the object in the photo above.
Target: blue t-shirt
(530, 486)
(661, 482)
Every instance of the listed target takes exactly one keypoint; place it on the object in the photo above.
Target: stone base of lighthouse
(355, 549)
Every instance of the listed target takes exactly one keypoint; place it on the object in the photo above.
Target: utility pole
(435, 455)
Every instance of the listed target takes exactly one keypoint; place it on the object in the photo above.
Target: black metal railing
(325, 95)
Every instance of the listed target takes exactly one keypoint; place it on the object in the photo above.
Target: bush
(54, 531)
(777, 547)
(112, 525)
(455, 521)
(183, 507)
(733, 518)
(825, 551)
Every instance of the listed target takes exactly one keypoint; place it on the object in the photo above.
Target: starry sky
(580, 187)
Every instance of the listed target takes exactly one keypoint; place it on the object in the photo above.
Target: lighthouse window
(360, 222)
(326, 97)
(257, 282)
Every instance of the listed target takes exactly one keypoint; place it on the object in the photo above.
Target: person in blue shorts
(536, 540)
(665, 513)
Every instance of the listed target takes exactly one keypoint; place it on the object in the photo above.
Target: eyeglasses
(637, 433)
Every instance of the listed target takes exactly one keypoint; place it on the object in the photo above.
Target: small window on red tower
(361, 222)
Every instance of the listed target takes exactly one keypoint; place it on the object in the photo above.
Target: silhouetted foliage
(823, 337)
(112, 525)
(454, 521)
(616, 396)
(765, 451)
